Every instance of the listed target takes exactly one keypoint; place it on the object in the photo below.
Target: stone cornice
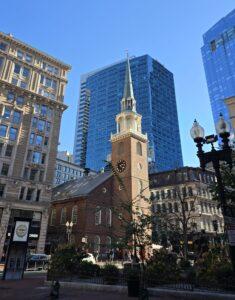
(31, 49)
(120, 136)
(40, 206)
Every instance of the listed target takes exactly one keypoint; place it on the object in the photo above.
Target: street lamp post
(69, 227)
(216, 157)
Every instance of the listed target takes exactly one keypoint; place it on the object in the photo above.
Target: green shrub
(162, 268)
(215, 270)
(110, 274)
(65, 261)
(88, 269)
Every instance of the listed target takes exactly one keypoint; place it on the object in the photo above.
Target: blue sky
(90, 34)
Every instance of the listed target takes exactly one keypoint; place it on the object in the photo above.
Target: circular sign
(21, 230)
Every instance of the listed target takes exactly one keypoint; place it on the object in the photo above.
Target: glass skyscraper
(218, 53)
(100, 94)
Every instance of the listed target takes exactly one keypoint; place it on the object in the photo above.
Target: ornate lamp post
(216, 157)
(69, 227)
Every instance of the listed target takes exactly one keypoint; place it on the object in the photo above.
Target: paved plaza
(32, 287)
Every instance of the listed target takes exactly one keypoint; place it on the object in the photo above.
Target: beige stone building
(32, 87)
(188, 187)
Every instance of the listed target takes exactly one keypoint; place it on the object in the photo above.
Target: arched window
(108, 217)
(53, 216)
(128, 123)
(108, 242)
(176, 207)
(120, 148)
(98, 216)
(74, 217)
(139, 148)
(140, 186)
(63, 215)
(96, 243)
(170, 207)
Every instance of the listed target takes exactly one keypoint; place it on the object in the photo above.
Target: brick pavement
(32, 288)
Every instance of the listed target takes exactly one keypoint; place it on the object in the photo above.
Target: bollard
(55, 288)
(144, 294)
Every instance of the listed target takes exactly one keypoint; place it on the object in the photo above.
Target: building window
(184, 193)
(38, 195)
(46, 140)
(1, 147)
(3, 130)
(41, 176)
(3, 46)
(96, 243)
(13, 134)
(48, 127)
(20, 100)
(1, 62)
(29, 195)
(20, 54)
(108, 217)
(190, 191)
(31, 139)
(26, 173)
(139, 148)
(63, 215)
(5, 169)
(22, 193)
(33, 174)
(170, 207)
(36, 157)
(192, 206)
(9, 150)
(74, 218)
(186, 206)
(38, 140)
(2, 190)
(169, 194)
(176, 207)
(16, 117)
(98, 216)
(10, 97)
(43, 158)
(41, 125)
(53, 216)
(7, 113)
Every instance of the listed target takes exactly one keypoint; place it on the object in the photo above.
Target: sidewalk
(34, 288)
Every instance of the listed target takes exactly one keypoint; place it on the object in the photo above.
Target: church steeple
(128, 102)
(128, 120)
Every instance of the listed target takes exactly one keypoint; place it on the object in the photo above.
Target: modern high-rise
(100, 95)
(218, 53)
(32, 87)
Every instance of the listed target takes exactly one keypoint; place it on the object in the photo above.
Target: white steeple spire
(128, 101)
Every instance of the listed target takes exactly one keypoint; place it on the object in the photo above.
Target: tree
(178, 220)
(228, 179)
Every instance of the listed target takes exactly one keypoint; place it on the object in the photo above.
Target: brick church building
(97, 204)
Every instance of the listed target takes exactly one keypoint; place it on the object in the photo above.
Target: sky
(90, 34)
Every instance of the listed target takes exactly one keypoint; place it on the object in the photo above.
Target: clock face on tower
(121, 165)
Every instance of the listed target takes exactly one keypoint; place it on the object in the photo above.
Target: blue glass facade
(155, 96)
(218, 53)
